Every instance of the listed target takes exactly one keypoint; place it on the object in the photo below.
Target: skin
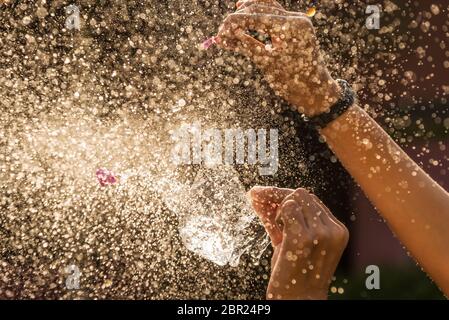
(293, 65)
(415, 207)
(307, 239)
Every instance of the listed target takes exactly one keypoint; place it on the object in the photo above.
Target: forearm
(415, 206)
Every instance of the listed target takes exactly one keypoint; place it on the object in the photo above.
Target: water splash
(216, 220)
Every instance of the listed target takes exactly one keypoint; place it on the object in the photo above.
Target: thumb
(232, 35)
(266, 201)
(287, 260)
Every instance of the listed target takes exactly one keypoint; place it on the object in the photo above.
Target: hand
(308, 242)
(292, 64)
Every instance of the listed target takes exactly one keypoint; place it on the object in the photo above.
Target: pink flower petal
(105, 177)
(209, 42)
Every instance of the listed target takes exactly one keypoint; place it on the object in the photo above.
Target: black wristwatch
(346, 100)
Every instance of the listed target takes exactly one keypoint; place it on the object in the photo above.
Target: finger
(236, 25)
(302, 197)
(276, 41)
(274, 257)
(245, 21)
(228, 43)
(291, 215)
(266, 4)
(262, 22)
(278, 220)
(326, 257)
(259, 8)
(232, 34)
(313, 215)
(271, 195)
(295, 242)
(255, 7)
(244, 3)
(322, 233)
(265, 214)
(237, 40)
(252, 47)
(265, 201)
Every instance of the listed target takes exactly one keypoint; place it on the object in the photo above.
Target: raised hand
(292, 63)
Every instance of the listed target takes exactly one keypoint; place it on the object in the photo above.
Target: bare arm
(415, 207)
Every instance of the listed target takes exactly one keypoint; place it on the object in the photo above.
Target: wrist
(323, 99)
(353, 116)
(346, 99)
(332, 94)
